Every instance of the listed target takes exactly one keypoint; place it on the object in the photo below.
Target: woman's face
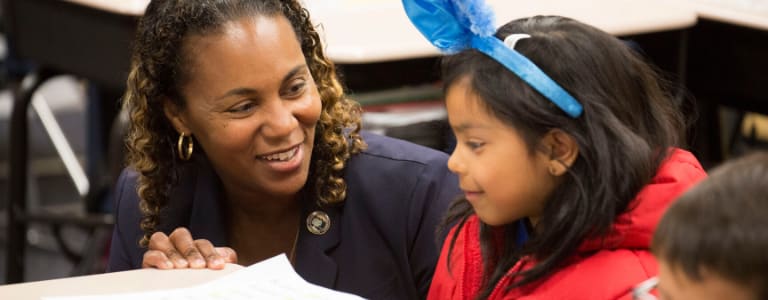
(500, 177)
(252, 105)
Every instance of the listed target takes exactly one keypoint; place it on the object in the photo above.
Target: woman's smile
(284, 161)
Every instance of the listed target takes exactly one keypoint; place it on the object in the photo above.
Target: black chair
(60, 37)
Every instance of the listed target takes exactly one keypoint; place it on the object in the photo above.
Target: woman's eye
(245, 107)
(296, 88)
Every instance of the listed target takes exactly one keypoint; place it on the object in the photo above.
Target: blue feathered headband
(455, 25)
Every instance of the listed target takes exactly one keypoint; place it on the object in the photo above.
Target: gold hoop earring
(185, 155)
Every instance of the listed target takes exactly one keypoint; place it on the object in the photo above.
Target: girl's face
(252, 105)
(500, 177)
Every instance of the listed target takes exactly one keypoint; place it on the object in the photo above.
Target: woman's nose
(280, 120)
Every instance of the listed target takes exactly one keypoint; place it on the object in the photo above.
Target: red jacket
(598, 270)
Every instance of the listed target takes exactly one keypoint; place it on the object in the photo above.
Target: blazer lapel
(313, 260)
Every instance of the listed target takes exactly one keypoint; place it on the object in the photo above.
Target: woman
(240, 132)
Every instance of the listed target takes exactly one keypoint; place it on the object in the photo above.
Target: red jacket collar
(634, 228)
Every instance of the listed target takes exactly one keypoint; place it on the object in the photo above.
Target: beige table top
(365, 31)
(741, 13)
(111, 283)
(123, 7)
(378, 30)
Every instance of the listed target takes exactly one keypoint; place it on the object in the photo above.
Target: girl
(565, 136)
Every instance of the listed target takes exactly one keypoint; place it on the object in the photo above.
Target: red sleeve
(462, 279)
(445, 280)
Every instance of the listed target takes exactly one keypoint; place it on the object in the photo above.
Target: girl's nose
(454, 163)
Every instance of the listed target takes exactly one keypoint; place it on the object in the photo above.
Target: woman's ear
(174, 115)
(563, 151)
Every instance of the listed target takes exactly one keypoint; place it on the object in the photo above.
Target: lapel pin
(318, 222)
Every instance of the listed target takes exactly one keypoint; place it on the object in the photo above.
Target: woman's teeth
(282, 156)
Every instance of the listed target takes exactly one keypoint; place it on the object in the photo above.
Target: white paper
(273, 278)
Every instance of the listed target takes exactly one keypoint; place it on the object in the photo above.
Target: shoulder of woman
(125, 188)
(127, 231)
(384, 147)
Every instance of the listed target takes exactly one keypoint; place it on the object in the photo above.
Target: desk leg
(17, 179)
(682, 61)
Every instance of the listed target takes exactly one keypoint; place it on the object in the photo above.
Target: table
(123, 7)
(724, 11)
(357, 34)
(112, 283)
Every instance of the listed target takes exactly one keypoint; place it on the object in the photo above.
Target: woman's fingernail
(168, 264)
(181, 262)
(199, 262)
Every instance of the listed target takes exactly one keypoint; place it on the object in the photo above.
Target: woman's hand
(179, 251)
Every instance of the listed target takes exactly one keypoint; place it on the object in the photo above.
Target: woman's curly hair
(158, 71)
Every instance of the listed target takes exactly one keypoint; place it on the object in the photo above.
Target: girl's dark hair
(630, 121)
(160, 68)
(720, 226)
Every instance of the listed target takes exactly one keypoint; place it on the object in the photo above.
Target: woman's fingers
(186, 247)
(162, 254)
(228, 254)
(179, 250)
(156, 259)
(212, 257)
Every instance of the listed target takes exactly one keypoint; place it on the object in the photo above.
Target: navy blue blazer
(381, 243)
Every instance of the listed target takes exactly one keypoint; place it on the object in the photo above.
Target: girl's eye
(474, 145)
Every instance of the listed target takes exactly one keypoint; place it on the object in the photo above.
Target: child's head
(712, 243)
(535, 150)
(520, 156)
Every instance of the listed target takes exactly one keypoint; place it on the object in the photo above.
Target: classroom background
(60, 153)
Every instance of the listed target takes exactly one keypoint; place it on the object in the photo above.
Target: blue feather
(476, 15)
(456, 25)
